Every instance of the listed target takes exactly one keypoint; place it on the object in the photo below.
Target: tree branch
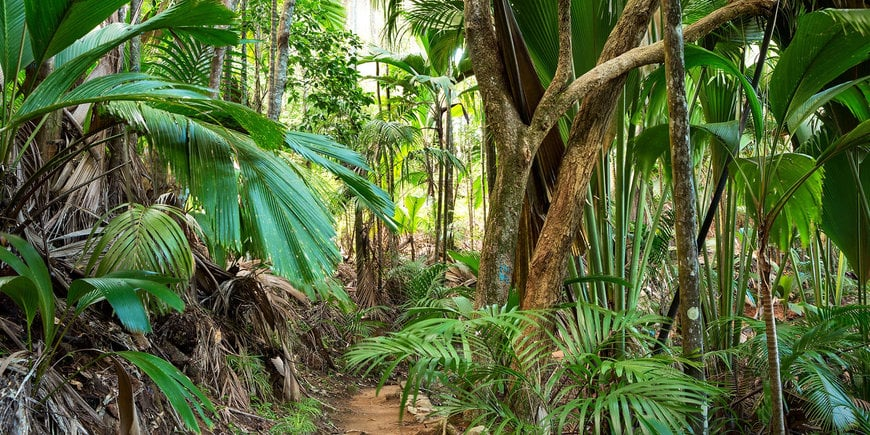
(548, 114)
(565, 65)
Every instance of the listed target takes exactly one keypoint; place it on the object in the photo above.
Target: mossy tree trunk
(685, 218)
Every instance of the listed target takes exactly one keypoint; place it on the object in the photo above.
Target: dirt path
(367, 414)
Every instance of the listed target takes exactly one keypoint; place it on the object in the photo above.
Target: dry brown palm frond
(281, 285)
(15, 411)
(458, 275)
(84, 188)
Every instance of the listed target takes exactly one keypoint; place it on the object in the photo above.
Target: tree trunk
(777, 418)
(518, 142)
(282, 50)
(439, 190)
(449, 194)
(514, 151)
(136, 42)
(684, 200)
(48, 138)
(273, 46)
(590, 133)
(217, 61)
(497, 256)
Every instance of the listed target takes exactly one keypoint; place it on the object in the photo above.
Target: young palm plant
(824, 365)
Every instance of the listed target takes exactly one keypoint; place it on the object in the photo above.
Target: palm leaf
(121, 290)
(844, 210)
(146, 238)
(287, 223)
(270, 208)
(187, 14)
(55, 24)
(828, 402)
(790, 181)
(15, 49)
(826, 44)
(29, 265)
(182, 59)
(320, 150)
(177, 388)
(697, 56)
(439, 15)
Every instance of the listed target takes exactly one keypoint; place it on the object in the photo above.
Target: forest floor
(377, 413)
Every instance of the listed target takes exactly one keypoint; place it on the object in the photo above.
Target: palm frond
(141, 238)
(180, 58)
(427, 15)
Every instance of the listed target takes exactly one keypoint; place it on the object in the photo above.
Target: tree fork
(517, 142)
(590, 132)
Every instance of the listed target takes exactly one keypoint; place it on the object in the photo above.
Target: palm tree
(273, 213)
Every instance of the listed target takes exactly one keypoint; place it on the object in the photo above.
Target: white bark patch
(693, 313)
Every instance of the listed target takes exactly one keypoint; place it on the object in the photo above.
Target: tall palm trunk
(777, 418)
(217, 61)
(439, 184)
(449, 194)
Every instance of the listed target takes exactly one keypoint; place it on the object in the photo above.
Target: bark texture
(279, 73)
(503, 121)
(590, 133)
(685, 218)
(217, 61)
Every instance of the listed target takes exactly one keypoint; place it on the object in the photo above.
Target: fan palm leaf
(142, 238)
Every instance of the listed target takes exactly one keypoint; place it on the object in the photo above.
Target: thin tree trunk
(449, 194)
(48, 138)
(273, 44)
(777, 418)
(243, 12)
(684, 200)
(439, 186)
(279, 73)
(136, 42)
(217, 61)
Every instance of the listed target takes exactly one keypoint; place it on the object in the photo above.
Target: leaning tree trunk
(590, 133)
(777, 418)
(282, 53)
(684, 199)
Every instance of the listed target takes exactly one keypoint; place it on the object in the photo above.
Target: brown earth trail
(369, 414)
